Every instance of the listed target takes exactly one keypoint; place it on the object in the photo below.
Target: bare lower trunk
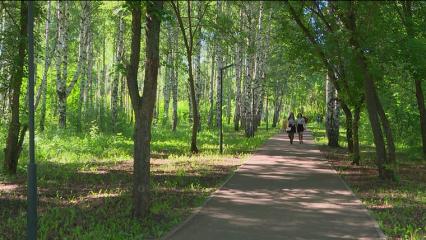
(422, 110)
(355, 126)
(349, 128)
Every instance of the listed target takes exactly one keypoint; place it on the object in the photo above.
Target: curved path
(282, 192)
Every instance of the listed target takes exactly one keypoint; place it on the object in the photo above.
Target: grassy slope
(85, 183)
(400, 208)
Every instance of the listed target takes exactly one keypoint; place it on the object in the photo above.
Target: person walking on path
(291, 127)
(301, 125)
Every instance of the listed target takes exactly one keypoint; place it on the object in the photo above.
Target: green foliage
(88, 191)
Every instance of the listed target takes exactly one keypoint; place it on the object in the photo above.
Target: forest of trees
(115, 66)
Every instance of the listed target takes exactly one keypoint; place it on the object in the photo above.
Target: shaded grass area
(399, 207)
(85, 183)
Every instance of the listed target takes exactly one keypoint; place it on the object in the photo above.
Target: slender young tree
(189, 33)
(119, 54)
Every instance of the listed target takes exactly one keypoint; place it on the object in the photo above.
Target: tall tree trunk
(258, 71)
(14, 139)
(249, 85)
(84, 27)
(60, 61)
(117, 62)
(168, 70)
(238, 63)
(332, 115)
(175, 79)
(41, 95)
(197, 63)
(102, 81)
(211, 90)
(189, 43)
(219, 60)
(407, 7)
(386, 163)
(143, 106)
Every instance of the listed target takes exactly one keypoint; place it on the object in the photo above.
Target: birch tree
(119, 54)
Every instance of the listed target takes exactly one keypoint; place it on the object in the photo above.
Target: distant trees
(282, 54)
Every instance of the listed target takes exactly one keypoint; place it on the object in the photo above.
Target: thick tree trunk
(143, 106)
(14, 140)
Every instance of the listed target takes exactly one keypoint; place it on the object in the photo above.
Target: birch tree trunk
(211, 89)
(168, 73)
(175, 77)
(102, 81)
(332, 113)
(219, 61)
(197, 63)
(118, 63)
(238, 63)
(257, 78)
(62, 89)
(249, 85)
(47, 59)
(61, 59)
(84, 27)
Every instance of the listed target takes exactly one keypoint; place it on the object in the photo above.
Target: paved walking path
(282, 192)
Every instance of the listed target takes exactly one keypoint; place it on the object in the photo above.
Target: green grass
(85, 182)
(399, 207)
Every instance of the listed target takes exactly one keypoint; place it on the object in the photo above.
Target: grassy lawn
(399, 207)
(85, 182)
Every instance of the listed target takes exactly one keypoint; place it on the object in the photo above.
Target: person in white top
(301, 126)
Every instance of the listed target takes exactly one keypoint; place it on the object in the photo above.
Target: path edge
(357, 199)
(198, 209)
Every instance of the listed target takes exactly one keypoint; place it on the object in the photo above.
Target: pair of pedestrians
(295, 125)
